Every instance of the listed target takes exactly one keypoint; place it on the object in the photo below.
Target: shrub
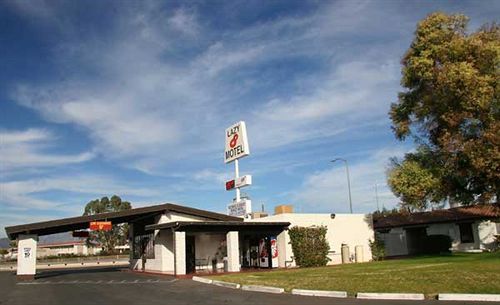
(436, 244)
(309, 245)
(377, 248)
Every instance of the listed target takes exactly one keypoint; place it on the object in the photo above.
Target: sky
(133, 98)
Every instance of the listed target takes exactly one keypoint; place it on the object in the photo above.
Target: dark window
(466, 233)
(144, 245)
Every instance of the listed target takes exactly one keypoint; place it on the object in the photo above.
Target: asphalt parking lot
(113, 285)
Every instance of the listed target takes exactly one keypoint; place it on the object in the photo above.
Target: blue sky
(132, 98)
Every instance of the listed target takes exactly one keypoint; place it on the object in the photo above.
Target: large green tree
(450, 108)
(415, 185)
(118, 234)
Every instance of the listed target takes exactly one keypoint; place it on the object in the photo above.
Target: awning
(220, 226)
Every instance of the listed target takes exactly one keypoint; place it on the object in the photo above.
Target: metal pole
(376, 196)
(237, 175)
(348, 180)
(348, 185)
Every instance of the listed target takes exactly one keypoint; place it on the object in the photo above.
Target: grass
(457, 273)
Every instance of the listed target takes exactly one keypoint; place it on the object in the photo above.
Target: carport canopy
(129, 216)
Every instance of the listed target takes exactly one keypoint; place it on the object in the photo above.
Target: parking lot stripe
(110, 282)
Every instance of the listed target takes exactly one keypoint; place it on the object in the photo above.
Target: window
(466, 233)
(144, 244)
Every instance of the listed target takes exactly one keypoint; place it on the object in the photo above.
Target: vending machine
(274, 252)
(263, 253)
(268, 252)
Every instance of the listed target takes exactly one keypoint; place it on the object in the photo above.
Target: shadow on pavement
(60, 272)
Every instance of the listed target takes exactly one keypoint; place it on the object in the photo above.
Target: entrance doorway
(190, 255)
(415, 239)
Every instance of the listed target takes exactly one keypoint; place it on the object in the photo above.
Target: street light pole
(348, 179)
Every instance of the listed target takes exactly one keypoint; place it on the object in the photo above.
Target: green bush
(436, 244)
(309, 245)
(377, 248)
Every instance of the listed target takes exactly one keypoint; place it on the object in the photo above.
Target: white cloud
(327, 190)
(17, 136)
(23, 194)
(185, 21)
(24, 149)
(212, 176)
(148, 111)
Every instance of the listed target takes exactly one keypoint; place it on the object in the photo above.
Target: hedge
(309, 245)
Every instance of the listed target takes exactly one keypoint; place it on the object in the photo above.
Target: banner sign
(240, 209)
(100, 225)
(236, 142)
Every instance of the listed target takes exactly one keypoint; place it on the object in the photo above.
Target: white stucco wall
(164, 260)
(486, 233)
(484, 237)
(350, 229)
(164, 253)
(26, 256)
(173, 216)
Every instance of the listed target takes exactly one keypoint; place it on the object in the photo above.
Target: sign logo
(236, 142)
(230, 185)
(27, 252)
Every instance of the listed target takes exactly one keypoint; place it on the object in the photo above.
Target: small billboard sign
(100, 225)
(239, 182)
(240, 208)
(236, 142)
(243, 181)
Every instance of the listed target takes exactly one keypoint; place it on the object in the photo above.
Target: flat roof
(82, 222)
(211, 226)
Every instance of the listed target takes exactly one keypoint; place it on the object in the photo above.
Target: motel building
(180, 240)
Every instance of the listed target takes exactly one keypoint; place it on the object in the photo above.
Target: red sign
(229, 185)
(100, 225)
(80, 233)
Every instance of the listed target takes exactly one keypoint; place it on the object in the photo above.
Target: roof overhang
(220, 226)
(127, 216)
(452, 215)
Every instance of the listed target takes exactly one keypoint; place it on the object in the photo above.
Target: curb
(262, 289)
(226, 284)
(469, 297)
(202, 280)
(320, 293)
(390, 296)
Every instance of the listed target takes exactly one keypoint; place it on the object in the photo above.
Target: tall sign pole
(237, 147)
(236, 176)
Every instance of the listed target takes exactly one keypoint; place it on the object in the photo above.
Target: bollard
(344, 250)
(358, 250)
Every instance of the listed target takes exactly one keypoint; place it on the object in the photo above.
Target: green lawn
(459, 273)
